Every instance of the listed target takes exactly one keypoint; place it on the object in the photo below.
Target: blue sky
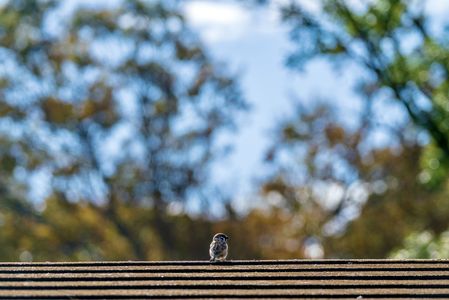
(254, 44)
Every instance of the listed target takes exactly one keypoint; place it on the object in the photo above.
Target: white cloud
(205, 13)
(217, 21)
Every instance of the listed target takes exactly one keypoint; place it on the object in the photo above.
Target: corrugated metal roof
(232, 279)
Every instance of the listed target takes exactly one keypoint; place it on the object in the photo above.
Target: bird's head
(221, 237)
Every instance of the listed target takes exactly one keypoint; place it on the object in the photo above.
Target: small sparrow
(218, 248)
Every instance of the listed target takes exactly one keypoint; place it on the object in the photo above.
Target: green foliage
(424, 245)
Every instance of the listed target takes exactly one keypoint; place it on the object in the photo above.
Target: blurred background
(135, 130)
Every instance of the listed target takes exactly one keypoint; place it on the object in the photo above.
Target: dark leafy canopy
(403, 57)
(110, 104)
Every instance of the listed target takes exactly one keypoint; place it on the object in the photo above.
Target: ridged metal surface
(350, 279)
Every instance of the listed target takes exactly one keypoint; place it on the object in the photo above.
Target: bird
(218, 248)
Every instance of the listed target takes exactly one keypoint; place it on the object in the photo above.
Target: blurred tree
(114, 110)
(355, 198)
(398, 54)
(80, 231)
(345, 197)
